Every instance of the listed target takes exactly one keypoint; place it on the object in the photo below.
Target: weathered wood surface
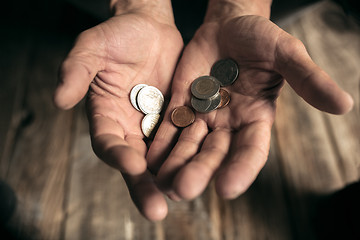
(64, 192)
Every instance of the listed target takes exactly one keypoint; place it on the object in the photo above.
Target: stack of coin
(207, 94)
(149, 100)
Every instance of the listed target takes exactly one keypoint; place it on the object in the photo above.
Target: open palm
(111, 58)
(233, 143)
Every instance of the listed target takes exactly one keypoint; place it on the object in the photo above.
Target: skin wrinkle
(107, 87)
(109, 117)
(99, 115)
(243, 143)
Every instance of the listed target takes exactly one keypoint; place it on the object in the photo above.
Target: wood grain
(36, 162)
(65, 192)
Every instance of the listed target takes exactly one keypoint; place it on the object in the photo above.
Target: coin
(149, 123)
(225, 98)
(225, 71)
(133, 94)
(206, 105)
(205, 87)
(150, 100)
(182, 116)
(200, 105)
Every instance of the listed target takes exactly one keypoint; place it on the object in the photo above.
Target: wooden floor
(53, 187)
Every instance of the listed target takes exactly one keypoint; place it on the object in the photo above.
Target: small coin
(206, 105)
(133, 94)
(182, 116)
(225, 71)
(149, 123)
(205, 87)
(225, 98)
(150, 100)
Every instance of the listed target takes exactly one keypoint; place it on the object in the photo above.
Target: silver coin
(149, 123)
(205, 87)
(200, 105)
(150, 100)
(215, 102)
(206, 105)
(225, 71)
(133, 94)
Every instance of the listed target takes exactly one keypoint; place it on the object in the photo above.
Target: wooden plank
(98, 204)
(37, 167)
(261, 213)
(333, 41)
(79, 197)
(12, 87)
(319, 152)
(294, 179)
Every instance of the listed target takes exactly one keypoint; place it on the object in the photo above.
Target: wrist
(159, 9)
(226, 9)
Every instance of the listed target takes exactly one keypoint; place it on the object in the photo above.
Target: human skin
(232, 144)
(140, 44)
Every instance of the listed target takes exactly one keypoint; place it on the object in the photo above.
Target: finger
(249, 152)
(187, 146)
(193, 178)
(146, 196)
(165, 138)
(77, 71)
(188, 69)
(125, 153)
(308, 80)
(167, 134)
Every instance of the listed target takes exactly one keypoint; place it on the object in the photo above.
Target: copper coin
(225, 98)
(182, 116)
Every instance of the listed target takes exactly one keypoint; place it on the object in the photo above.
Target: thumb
(77, 71)
(307, 79)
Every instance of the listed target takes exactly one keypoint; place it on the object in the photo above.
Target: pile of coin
(207, 94)
(149, 100)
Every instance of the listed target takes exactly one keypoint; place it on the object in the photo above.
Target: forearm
(222, 9)
(161, 9)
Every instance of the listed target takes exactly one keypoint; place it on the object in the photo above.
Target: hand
(111, 58)
(232, 143)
